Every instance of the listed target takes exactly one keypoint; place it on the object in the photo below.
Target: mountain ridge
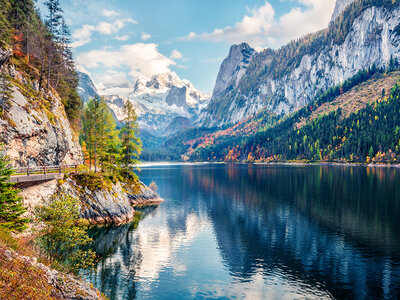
(281, 81)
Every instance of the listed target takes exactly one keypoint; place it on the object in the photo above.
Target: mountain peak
(340, 6)
(233, 67)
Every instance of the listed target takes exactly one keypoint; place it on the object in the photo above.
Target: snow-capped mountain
(164, 103)
(86, 88)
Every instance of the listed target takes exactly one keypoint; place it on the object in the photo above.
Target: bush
(62, 237)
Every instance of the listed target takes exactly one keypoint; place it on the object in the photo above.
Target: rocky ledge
(113, 205)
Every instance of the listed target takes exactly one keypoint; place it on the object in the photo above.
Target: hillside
(331, 123)
(281, 81)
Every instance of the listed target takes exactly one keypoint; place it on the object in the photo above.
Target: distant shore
(181, 163)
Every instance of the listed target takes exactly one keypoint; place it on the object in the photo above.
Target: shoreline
(338, 164)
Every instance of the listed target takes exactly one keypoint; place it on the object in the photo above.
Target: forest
(369, 135)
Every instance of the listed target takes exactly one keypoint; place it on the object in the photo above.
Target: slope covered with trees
(40, 51)
(357, 121)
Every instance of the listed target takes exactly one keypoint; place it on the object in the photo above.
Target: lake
(258, 232)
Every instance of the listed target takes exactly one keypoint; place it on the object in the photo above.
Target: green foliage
(131, 144)
(41, 50)
(100, 135)
(11, 207)
(61, 236)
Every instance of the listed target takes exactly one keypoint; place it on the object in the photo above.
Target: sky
(116, 41)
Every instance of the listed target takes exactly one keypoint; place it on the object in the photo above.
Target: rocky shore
(110, 206)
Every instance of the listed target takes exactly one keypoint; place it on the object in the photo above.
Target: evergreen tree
(100, 134)
(131, 144)
(11, 207)
(53, 21)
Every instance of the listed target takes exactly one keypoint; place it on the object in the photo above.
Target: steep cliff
(366, 32)
(34, 127)
(233, 67)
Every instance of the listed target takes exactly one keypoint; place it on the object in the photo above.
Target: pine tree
(11, 207)
(131, 144)
(53, 22)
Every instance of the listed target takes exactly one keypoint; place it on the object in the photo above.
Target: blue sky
(118, 40)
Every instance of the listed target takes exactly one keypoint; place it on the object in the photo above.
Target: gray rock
(177, 96)
(5, 55)
(233, 67)
(114, 206)
(8, 254)
(42, 136)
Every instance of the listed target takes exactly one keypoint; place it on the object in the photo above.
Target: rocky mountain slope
(233, 67)
(366, 32)
(340, 6)
(86, 88)
(164, 103)
(37, 131)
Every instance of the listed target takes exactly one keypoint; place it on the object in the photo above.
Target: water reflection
(259, 232)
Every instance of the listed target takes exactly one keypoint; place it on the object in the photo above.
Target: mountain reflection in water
(258, 232)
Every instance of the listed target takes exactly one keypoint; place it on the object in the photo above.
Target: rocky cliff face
(35, 131)
(110, 206)
(314, 63)
(233, 67)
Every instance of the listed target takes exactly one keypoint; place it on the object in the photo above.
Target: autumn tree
(100, 136)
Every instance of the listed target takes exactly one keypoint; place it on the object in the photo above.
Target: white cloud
(145, 36)
(111, 77)
(140, 58)
(122, 38)
(110, 13)
(83, 35)
(175, 54)
(261, 28)
(107, 28)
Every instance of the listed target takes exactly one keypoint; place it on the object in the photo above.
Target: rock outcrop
(5, 56)
(110, 206)
(233, 67)
(34, 132)
(286, 79)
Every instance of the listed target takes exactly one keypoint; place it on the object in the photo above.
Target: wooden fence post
(27, 172)
(44, 170)
(59, 169)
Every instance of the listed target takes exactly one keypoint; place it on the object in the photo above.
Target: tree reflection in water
(238, 230)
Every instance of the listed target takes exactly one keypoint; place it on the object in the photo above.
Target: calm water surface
(258, 232)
